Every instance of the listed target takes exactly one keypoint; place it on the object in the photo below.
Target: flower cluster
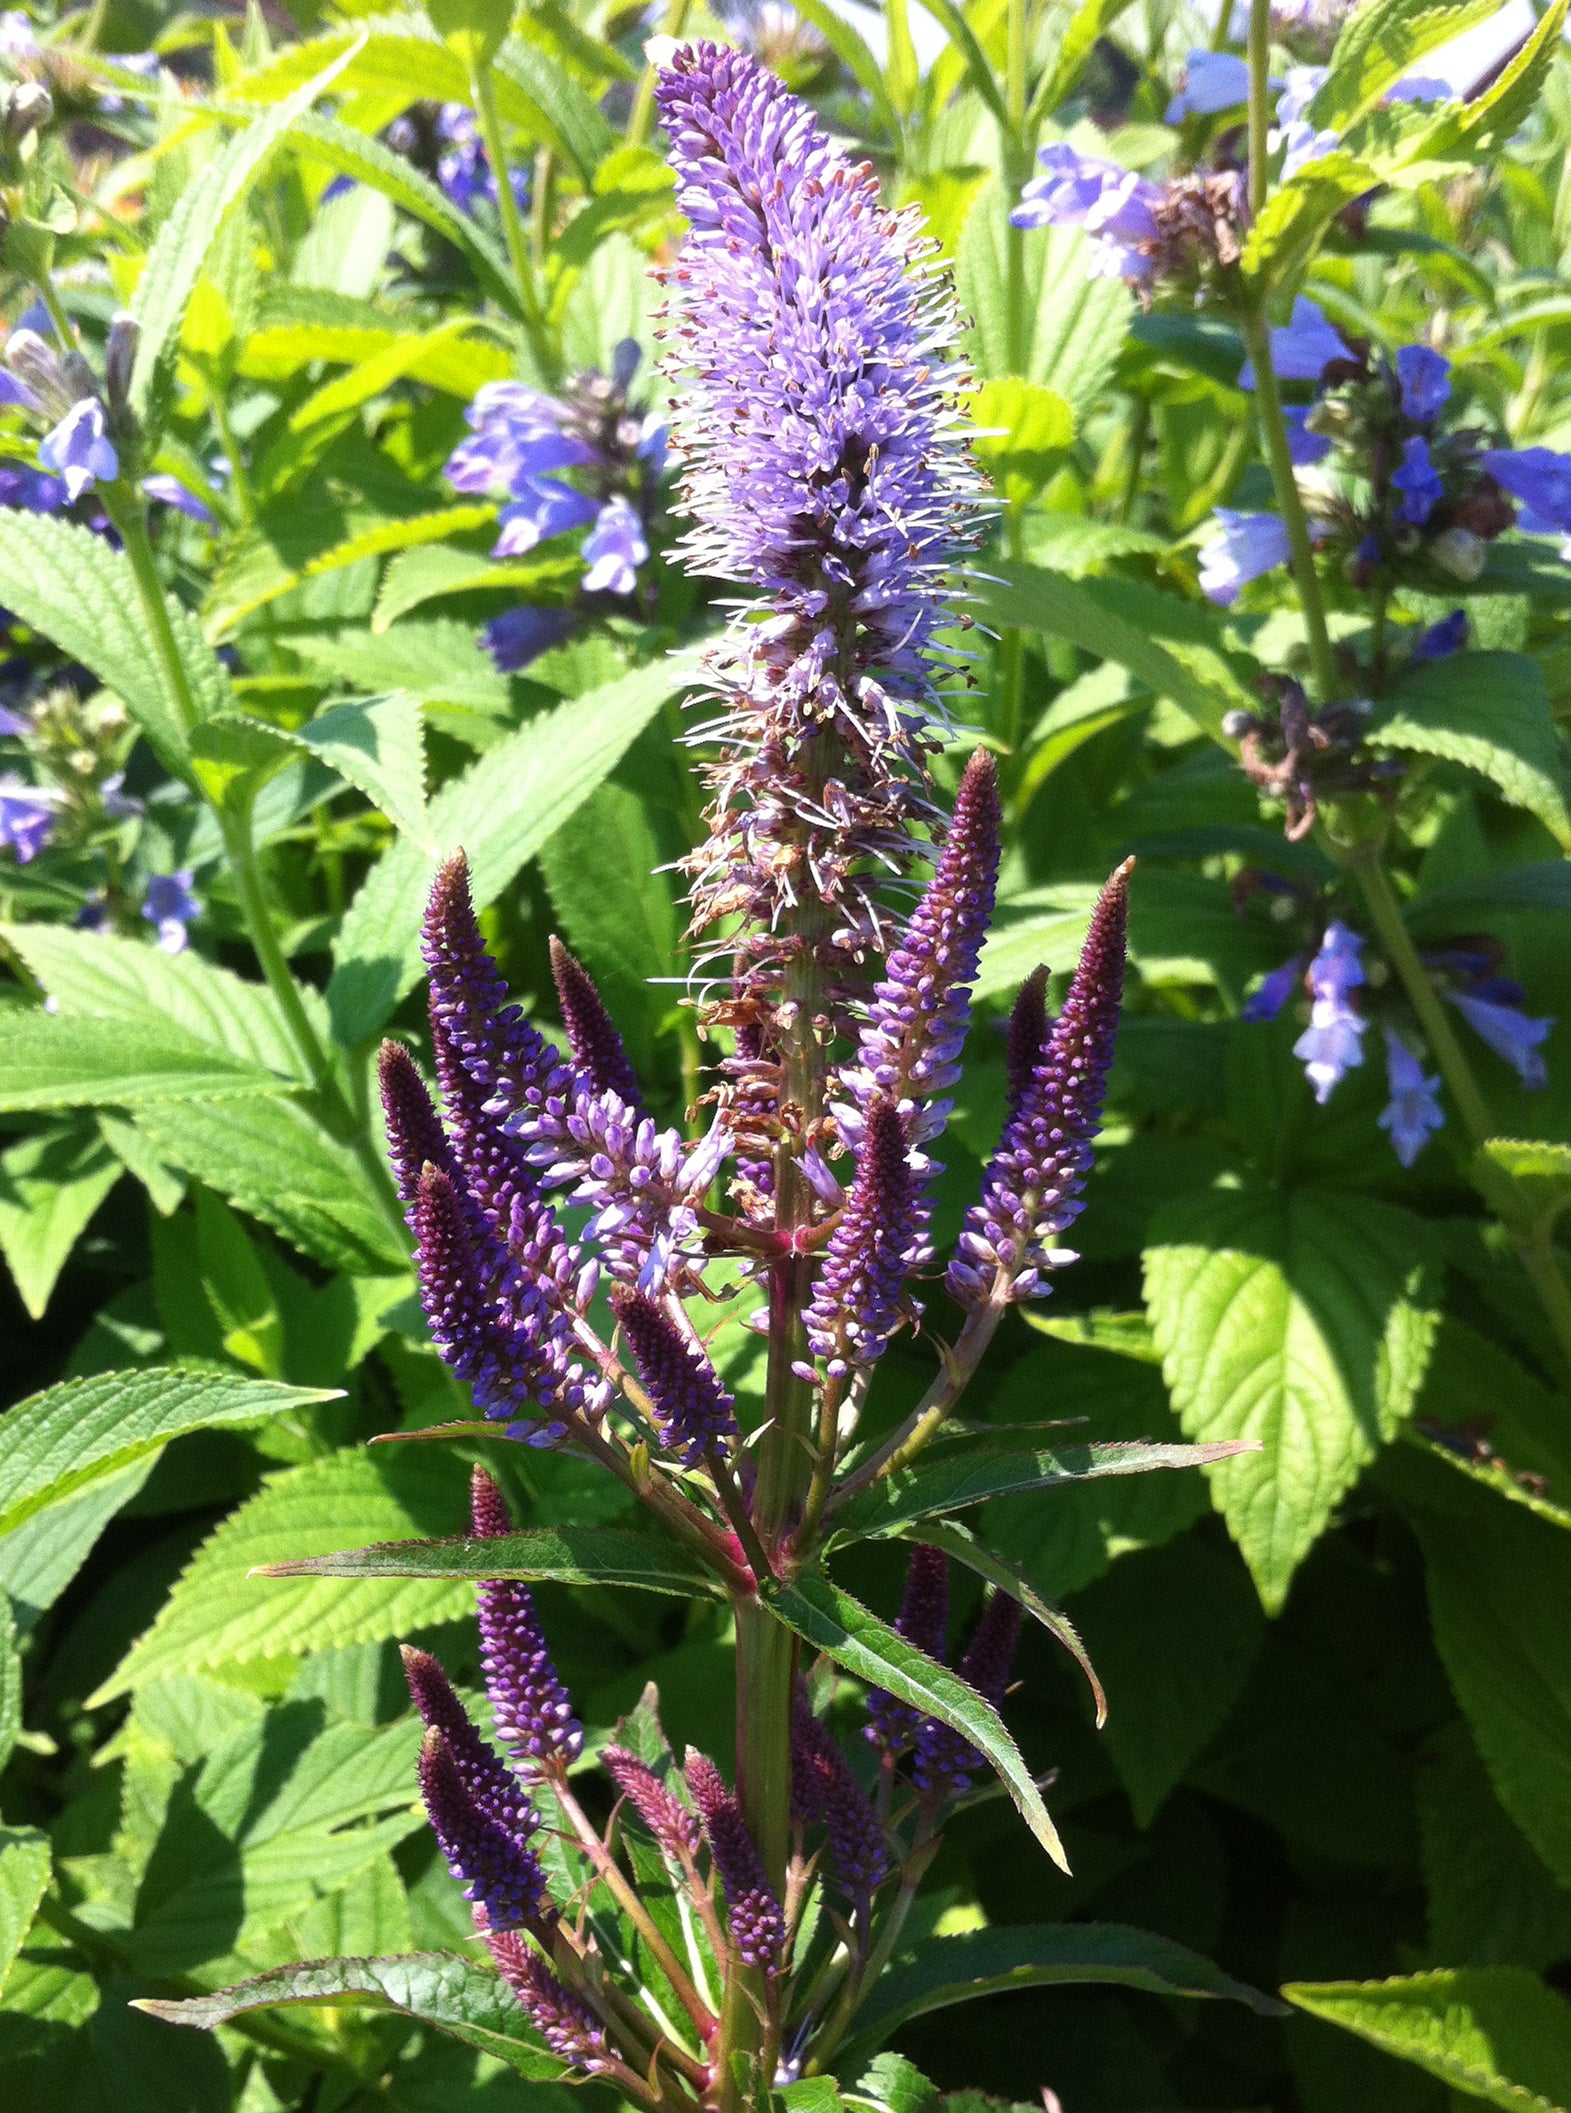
(1300, 756)
(1181, 232)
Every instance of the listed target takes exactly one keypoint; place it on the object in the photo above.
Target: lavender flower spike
(534, 1715)
(695, 1412)
(487, 1781)
(563, 2020)
(591, 1032)
(662, 1812)
(500, 1875)
(945, 1761)
(823, 461)
(1031, 1190)
(757, 1924)
(878, 1242)
(923, 1620)
(823, 1788)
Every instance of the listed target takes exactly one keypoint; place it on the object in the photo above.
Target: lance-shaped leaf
(849, 1633)
(72, 1435)
(942, 1971)
(562, 1555)
(456, 1995)
(1004, 1465)
(50, 1061)
(961, 1543)
(24, 1873)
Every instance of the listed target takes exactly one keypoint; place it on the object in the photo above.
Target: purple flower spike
(923, 1620)
(945, 1762)
(757, 1924)
(591, 1032)
(673, 1826)
(823, 1788)
(878, 1242)
(487, 1780)
(1413, 1111)
(1330, 1046)
(500, 1875)
(563, 2020)
(534, 1715)
(1027, 1035)
(695, 1413)
(414, 1130)
(1031, 1190)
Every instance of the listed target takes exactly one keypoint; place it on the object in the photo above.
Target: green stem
(239, 475)
(642, 122)
(124, 508)
(1273, 426)
(1259, 99)
(513, 229)
(56, 314)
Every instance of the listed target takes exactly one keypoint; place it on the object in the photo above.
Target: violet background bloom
(614, 549)
(1303, 447)
(464, 171)
(169, 491)
(169, 906)
(1249, 545)
(1419, 482)
(1413, 1112)
(1539, 477)
(1213, 81)
(517, 433)
(1509, 1032)
(27, 817)
(35, 491)
(541, 507)
(1115, 206)
(1274, 993)
(78, 450)
(1424, 382)
(1301, 348)
(1331, 1045)
(521, 635)
(1441, 639)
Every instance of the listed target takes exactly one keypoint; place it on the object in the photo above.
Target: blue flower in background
(1213, 81)
(541, 507)
(1424, 378)
(1331, 1045)
(1413, 1112)
(1274, 993)
(614, 549)
(169, 491)
(1249, 545)
(27, 816)
(1301, 348)
(169, 906)
(1540, 479)
(1442, 639)
(1418, 481)
(1495, 1015)
(34, 491)
(465, 171)
(1300, 142)
(78, 450)
(1303, 447)
(522, 635)
(1114, 206)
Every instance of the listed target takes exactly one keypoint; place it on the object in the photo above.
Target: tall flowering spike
(822, 460)
(945, 1763)
(1027, 1034)
(823, 1788)
(591, 1032)
(563, 2020)
(856, 1300)
(533, 1712)
(486, 1778)
(1031, 1190)
(500, 1875)
(694, 1410)
(910, 1047)
(673, 1826)
(923, 1620)
(414, 1130)
(757, 1923)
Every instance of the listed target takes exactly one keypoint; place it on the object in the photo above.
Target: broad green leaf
(1299, 1318)
(1490, 712)
(1378, 44)
(1085, 613)
(271, 1160)
(431, 570)
(500, 812)
(220, 1614)
(851, 48)
(456, 366)
(1481, 1413)
(1075, 325)
(1023, 432)
(970, 1470)
(1540, 1176)
(60, 1441)
(371, 377)
(472, 28)
(237, 1288)
(1495, 2033)
(1483, 124)
(1544, 885)
(457, 1995)
(39, 1558)
(978, 70)
(68, 583)
(24, 1873)
(10, 1683)
(50, 1186)
(1295, 214)
(543, 95)
(1490, 1900)
(378, 744)
(93, 975)
(846, 1631)
(1500, 1599)
(942, 1971)
(566, 1555)
(174, 264)
(50, 1060)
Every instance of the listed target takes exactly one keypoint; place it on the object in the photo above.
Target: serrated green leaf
(1023, 431)
(1493, 2032)
(1539, 1172)
(1299, 1318)
(371, 376)
(219, 1614)
(970, 1470)
(52, 1061)
(543, 95)
(1489, 711)
(1378, 44)
(68, 583)
(1544, 885)
(1485, 122)
(60, 1441)
(440, 1988)
(10, 1682)
(174, 264)
(567, 1555)
(1075, 324)
(434, 569)
(849, 1633)
(50, 1186)
(378, 745)
(1296, 212)
(39, 1558)
(500, 812)
(271, 1160)
(24, 1873)
(848, 44)
(942, 1971)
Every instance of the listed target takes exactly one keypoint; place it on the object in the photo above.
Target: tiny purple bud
(694, 1410)
(855, 1307)
(486, 1778)
(414, 1130)
(757, 1924)
(591, 1032)
(533, 1712)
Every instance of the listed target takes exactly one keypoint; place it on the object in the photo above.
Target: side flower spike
(591, 1032)
(673, 1826)
(1027, 1035)
(534, 1715)
(824, 1789)
(945, 1762)
(489, 1783)
(500, 1875)
(692, 1406)
(877, 1243)
(1031, 1190)
(923, 1620)
(415, 1136)
(757, 1923)
(563, 2020)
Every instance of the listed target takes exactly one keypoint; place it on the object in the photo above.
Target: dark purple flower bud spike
(923, 1620)
(823, 1788)
(500, 1875)
(1027, 1035)
(946, 1763)
(563, 2020)
(591, 1032)
(533, 1712)
(757, 1921)
(414, 1130)
(673, 1826)
(486, 1778)
(692, 1407)
(856, 1304)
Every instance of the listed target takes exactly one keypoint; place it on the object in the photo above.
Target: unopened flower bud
(1236, 724)
(28, 109)
(1459, 552)
(119, 359)
(37, 363)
